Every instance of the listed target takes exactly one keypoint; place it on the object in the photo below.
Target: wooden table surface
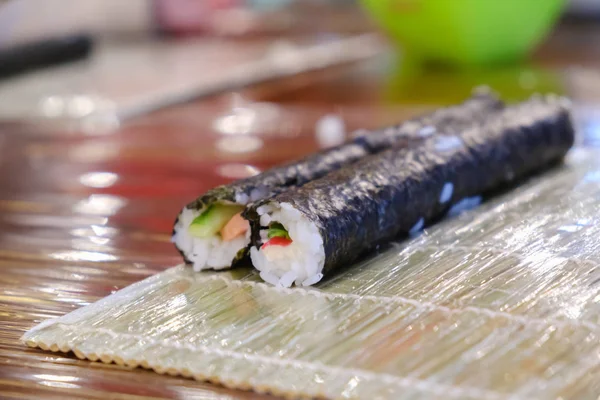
(85, 214)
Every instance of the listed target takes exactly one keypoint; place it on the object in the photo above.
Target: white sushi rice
(208, 253)
(301, 262)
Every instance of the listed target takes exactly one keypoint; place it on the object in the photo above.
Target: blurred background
(123, 59)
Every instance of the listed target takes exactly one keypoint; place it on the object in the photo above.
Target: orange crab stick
(235, 227)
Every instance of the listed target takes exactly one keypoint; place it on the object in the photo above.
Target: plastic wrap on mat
(498, 302)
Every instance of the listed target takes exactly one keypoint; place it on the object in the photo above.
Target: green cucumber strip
(277, 230)
(213, 219)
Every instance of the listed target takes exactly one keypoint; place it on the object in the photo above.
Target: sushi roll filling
(277, 241)
(277, 235)
(277, 230)
(220, 219)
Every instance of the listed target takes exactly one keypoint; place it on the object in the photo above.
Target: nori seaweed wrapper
(275, 180)
(385, 195)
(446, 120)
(297, 173)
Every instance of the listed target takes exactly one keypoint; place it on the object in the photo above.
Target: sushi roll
(306, 232)
(213, 233)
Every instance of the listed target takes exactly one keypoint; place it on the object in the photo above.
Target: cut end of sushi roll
(291, 247)
(213, 237)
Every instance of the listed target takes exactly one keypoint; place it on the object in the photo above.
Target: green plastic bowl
(466, 31)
